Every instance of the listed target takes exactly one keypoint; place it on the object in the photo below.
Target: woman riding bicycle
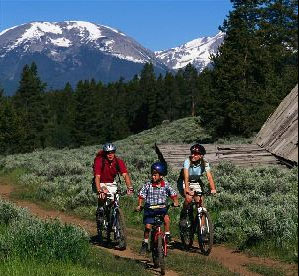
(190, 181)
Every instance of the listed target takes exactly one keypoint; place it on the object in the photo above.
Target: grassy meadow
(255, 210)
(30, 246)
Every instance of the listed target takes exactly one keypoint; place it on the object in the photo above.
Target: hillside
(61, 179)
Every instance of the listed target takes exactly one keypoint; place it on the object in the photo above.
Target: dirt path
(232, 260)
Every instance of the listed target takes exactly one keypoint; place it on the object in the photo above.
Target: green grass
(30, 246)
(100, 263)
(256, 209)
(269, 249)
(266, 270)
(187, 264)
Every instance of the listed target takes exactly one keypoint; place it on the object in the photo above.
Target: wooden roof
(245, 155)
(279, 134)
(275, 144)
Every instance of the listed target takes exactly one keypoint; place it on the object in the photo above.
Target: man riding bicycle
(190, 183)
(106, 167)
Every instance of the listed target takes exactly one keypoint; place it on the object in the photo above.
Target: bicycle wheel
(154, 250)
(160, 251)
(186, 231)
(120, 229)
(100, 225)
(206, 236)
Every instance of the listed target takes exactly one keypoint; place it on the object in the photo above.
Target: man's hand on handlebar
(103, 193)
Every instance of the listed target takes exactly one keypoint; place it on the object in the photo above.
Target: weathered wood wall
(279, 134)
(245, 155)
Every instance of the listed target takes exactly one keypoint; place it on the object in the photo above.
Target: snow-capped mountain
(71, 51)
(197, 52)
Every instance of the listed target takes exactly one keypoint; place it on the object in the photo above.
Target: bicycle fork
(202, 220)
(158, 233)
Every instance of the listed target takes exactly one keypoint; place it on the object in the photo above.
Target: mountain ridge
(197, 52)
(70, 51)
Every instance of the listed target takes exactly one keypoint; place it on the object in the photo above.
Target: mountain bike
(158, 242)
(111, 219)
(200, 224)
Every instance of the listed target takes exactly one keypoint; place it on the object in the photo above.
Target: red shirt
(109, 171)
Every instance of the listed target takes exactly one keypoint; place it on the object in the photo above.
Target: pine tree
(148, 89)
(190, 76)
(11, 130)
(171, 97)
(30, 104)
(238, 72)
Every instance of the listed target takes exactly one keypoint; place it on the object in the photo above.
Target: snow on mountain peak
(196, 52)
(93, 30)
(58, 39)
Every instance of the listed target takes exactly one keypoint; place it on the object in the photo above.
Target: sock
(167, 233)
(146, 240)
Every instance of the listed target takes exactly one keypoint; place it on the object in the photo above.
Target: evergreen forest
(255, 68)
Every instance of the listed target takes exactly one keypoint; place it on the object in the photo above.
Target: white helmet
(109, 147)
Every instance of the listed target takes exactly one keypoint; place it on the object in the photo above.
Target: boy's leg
(167, 228)
(144, 247)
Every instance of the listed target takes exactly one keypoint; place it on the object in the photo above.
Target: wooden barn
(275, 144)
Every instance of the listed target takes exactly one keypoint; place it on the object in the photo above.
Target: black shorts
(150, 214)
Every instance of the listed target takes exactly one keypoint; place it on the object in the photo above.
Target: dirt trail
(232, 260)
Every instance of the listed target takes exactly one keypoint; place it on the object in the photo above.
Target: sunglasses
(195, 153)
(110, 152)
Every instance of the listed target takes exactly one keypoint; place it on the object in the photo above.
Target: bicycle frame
(155, 233)
(110, 218)
(113, 205)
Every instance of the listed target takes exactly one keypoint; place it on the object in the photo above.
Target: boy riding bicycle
(155, 194)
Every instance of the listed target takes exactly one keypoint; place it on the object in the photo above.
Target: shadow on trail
(109, 245)
(177, 245)
(142, 260)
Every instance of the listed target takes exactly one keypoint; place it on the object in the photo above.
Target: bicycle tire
(100, 227)
(205, 241)
(154, 250)
(161, 255)
(121, 228)
(187, 232)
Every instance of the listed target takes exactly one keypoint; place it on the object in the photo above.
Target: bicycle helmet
(198, 149)
(159, 167)
(109, 147)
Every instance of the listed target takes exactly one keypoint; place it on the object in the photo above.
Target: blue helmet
(159, 167)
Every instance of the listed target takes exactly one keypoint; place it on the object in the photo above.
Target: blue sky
(156, 24)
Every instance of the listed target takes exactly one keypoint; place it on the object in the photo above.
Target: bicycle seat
(158, 220)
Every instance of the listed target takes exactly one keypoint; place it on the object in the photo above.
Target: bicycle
(194, 225)
(112, 220)
(158, 242)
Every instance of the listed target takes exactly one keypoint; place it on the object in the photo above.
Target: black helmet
(159, 167)
(198, 148)
(109, 147)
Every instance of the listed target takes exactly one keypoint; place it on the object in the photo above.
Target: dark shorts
(150, 214)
